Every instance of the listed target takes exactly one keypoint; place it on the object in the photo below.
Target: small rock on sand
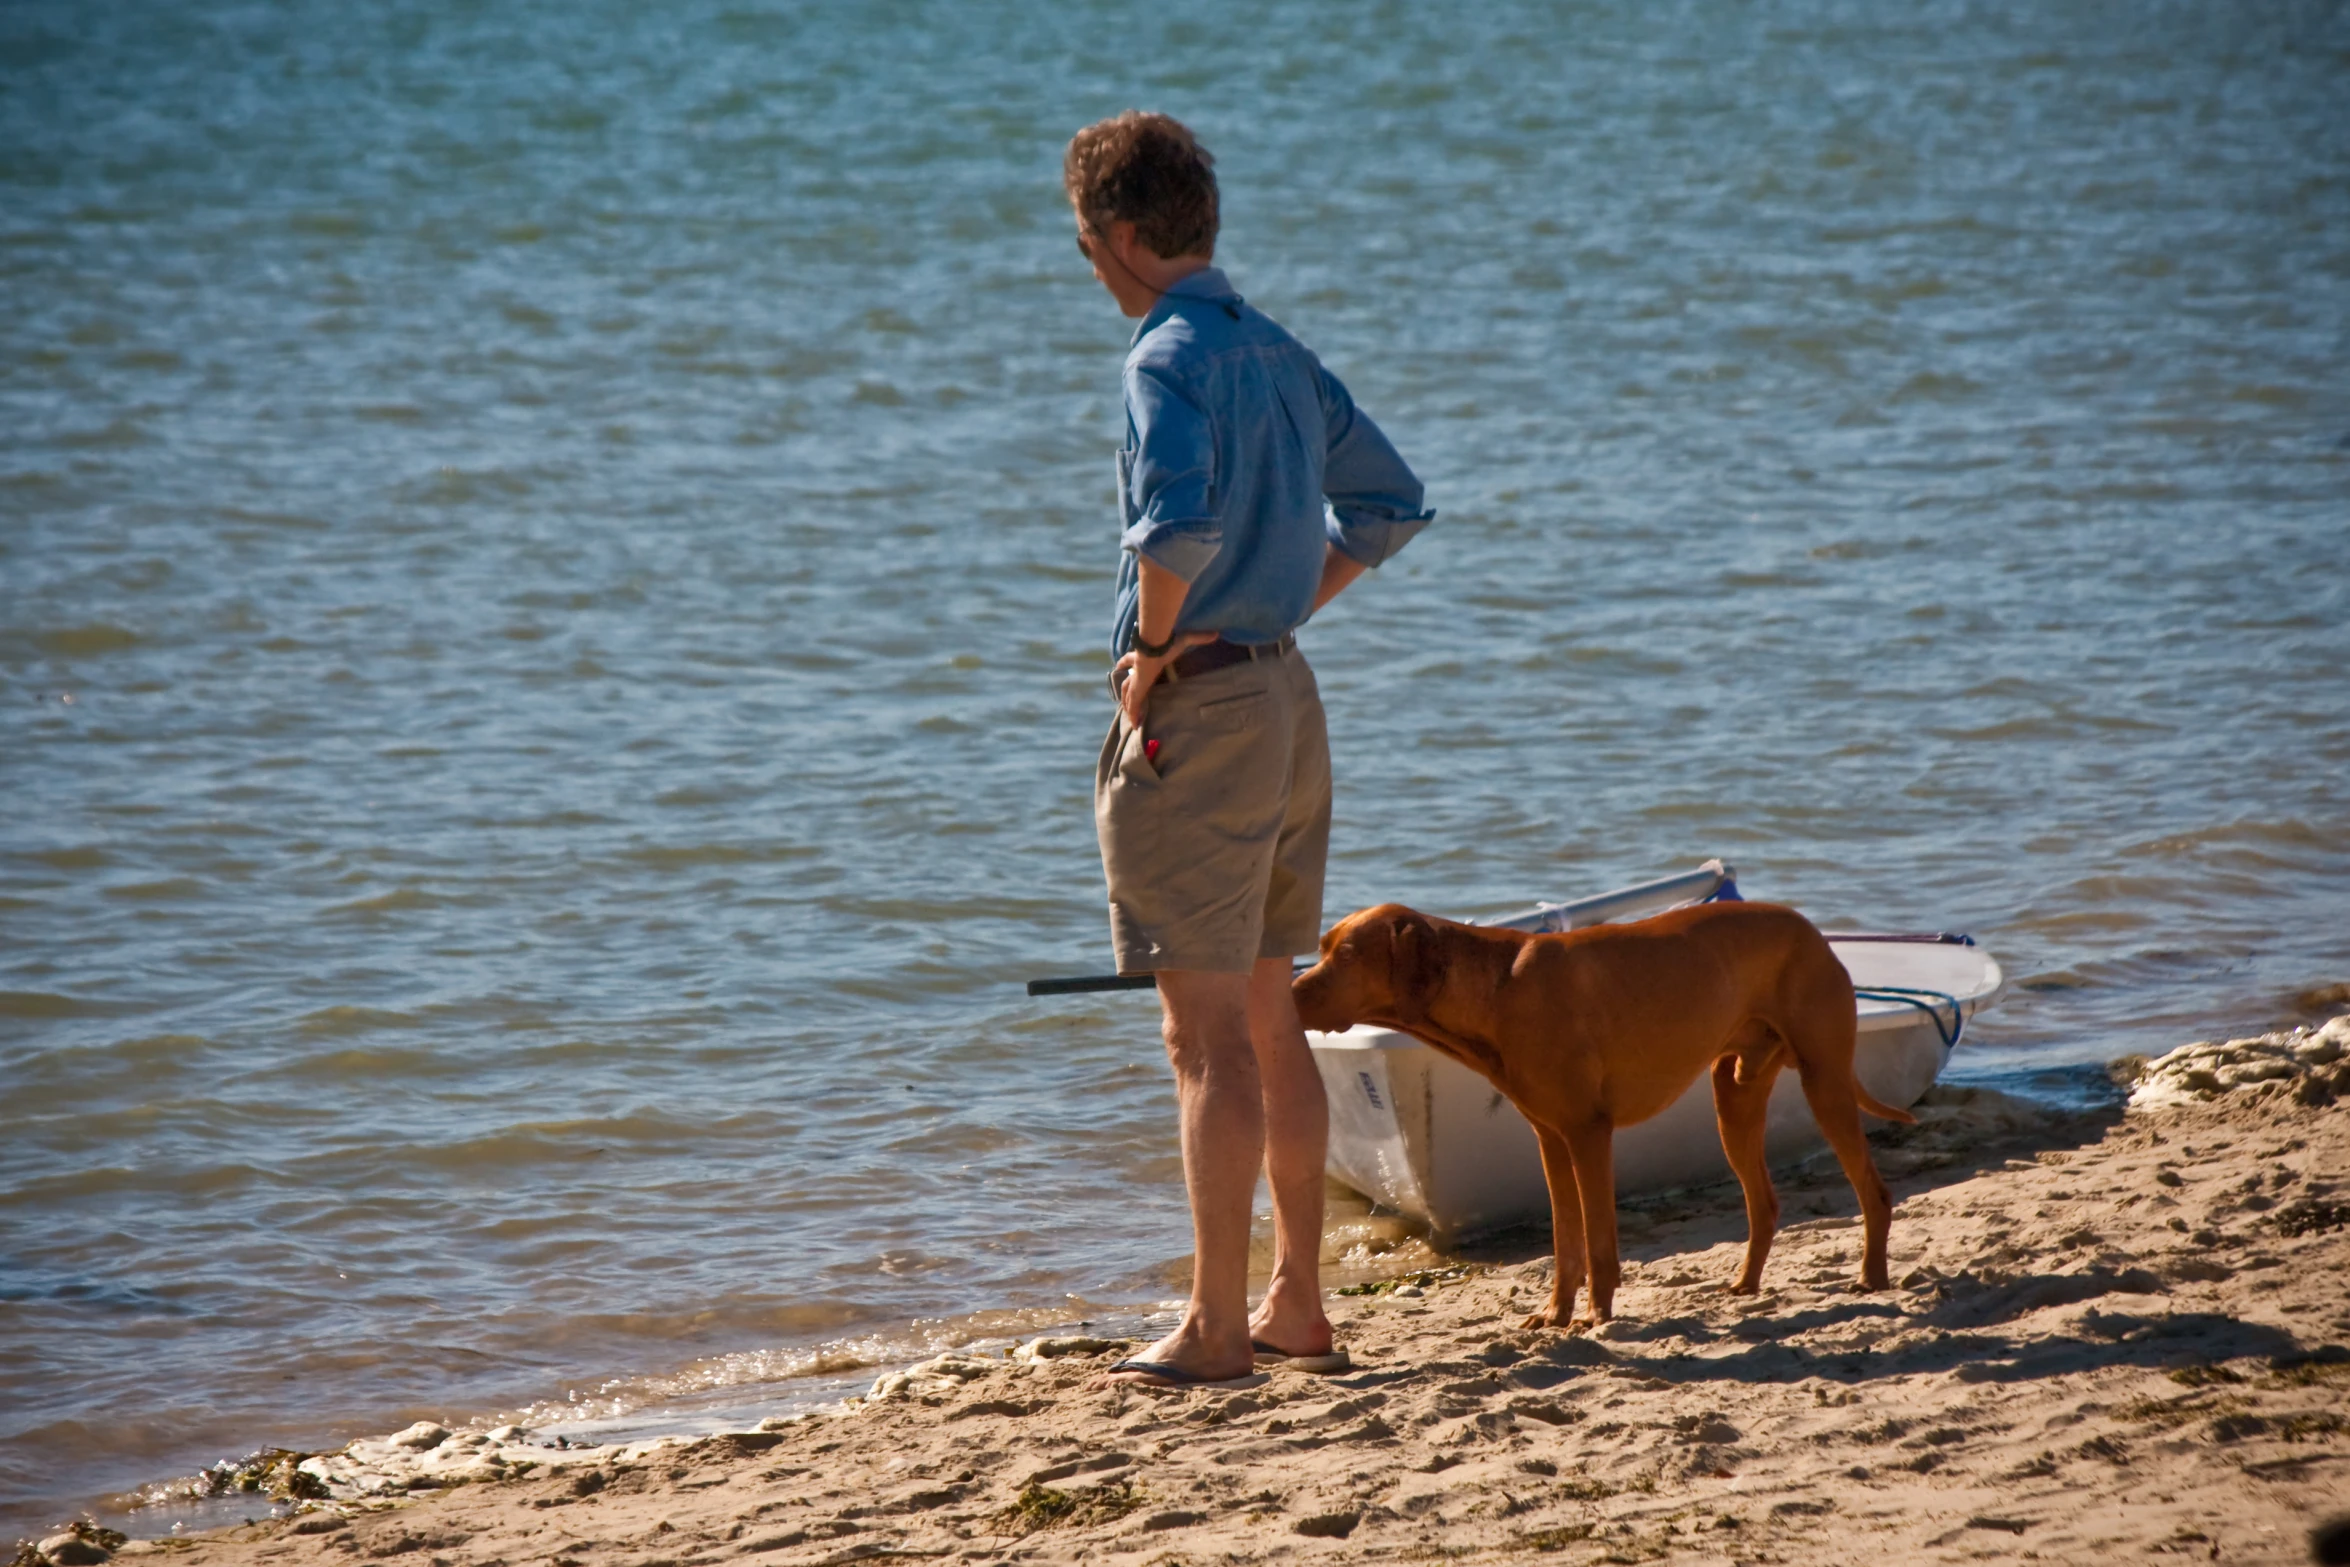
(71, 1550)
(1328, 1526)
(1058, 1348)
(420, 1436)
(1178, 1519)
(940, 1375)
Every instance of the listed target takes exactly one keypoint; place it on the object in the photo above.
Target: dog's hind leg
(1566, 1232)
(1742, 1111)
(1591, 1148)
(1834, 1100)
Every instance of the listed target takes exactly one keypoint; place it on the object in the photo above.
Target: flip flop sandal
(1176, 1376)
(1279, 1359)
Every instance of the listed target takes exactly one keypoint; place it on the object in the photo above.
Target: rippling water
(553, 562)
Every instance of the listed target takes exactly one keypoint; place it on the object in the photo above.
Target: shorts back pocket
(1235, 714)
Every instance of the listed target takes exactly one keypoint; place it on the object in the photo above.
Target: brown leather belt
(1220, 654)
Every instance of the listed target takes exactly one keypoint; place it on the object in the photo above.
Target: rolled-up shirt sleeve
(1171, 476)
(1375, 499)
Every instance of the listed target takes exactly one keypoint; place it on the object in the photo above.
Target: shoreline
(2113, 1329)
(1364, 1248)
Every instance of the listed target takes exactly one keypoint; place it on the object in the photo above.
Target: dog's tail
(1882, 1112)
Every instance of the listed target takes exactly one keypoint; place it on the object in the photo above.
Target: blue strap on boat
(1924, 1001)
(1943, 937)
(1727, 892)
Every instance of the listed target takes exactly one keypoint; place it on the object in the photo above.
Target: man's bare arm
(1338, 570)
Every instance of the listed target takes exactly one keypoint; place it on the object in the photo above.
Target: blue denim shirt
(1236, 437)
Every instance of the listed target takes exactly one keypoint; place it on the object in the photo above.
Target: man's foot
(1179, 1360)
(1270, 1358)
(1151, 1373)
(1290, 1324)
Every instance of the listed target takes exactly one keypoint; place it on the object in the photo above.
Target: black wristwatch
(1149, 649)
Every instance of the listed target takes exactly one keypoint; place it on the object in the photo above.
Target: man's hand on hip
(1138, 674)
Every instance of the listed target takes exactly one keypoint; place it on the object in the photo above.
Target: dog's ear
(1417, 966)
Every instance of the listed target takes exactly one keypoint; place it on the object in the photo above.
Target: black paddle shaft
(1082, 984)
(1078, 985)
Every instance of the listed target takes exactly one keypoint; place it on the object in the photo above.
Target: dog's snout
(1311, 993)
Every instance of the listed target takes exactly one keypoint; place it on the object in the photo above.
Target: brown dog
(1594, 1029)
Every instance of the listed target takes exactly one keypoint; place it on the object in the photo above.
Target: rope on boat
(1925, 1001)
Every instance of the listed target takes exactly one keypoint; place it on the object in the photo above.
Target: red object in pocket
(1150, 752)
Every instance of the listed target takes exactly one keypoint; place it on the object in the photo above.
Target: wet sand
(2115, 1334)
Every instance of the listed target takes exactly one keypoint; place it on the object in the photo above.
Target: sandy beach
(2115, 1334)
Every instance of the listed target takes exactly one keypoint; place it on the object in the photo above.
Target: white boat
(1417, 1132)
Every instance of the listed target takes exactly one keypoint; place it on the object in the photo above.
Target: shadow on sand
(1958, 1332)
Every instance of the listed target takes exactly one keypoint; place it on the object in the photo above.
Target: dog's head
(1380, 964)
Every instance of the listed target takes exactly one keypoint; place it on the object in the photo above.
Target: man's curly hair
(1147, 170)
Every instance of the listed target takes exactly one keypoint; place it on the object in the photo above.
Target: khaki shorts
(1214, 851)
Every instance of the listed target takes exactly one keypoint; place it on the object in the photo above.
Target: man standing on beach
(1251, 492)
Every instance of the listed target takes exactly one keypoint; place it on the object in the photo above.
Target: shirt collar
(1208, 285)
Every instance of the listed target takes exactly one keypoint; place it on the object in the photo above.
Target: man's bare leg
(1222, 1112)
(1297, 1137)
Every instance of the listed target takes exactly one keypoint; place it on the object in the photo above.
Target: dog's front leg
(1566, 1232)
(1592, 1149)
